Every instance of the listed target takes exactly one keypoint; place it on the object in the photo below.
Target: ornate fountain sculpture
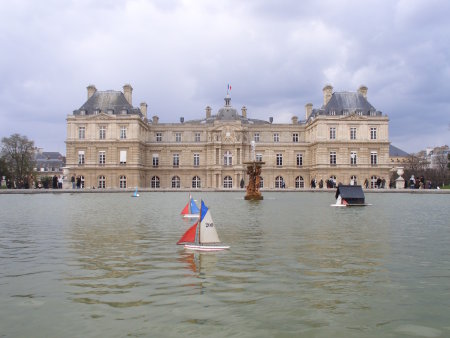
(254, 176)
(400, 181)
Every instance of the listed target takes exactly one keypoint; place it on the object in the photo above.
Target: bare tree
(18, 154)
(441, 163)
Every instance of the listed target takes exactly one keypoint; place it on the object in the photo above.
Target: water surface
(106, 265)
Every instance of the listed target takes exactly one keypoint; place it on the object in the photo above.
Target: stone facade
(111, 144)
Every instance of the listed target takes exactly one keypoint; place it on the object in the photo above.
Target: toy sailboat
(202, 236)
(135, 194)
(190, 210)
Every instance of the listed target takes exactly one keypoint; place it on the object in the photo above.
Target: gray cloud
(179, 57)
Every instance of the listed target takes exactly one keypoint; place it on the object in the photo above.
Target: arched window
(155, 182)
(176, 182)
(227, 158)
(228, 182)
(332, 182)
(373, 181)
(299, 182)
(122, 181)
(279, 182)
(101, 182)
(196, 182)
(353, 180)
(82, 181)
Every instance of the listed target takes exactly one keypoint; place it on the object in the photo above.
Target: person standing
(60, 182)
(78, 182)
(55, 182)
(73, 181)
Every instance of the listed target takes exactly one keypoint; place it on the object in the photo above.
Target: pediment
(101, 116)
(353, 117)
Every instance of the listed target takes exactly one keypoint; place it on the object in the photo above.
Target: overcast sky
(179, 56)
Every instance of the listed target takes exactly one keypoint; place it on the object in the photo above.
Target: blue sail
(204, 211)
(194, 208)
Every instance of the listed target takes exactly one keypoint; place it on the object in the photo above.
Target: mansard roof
(344, 103)
(397, 152)
(108, 102)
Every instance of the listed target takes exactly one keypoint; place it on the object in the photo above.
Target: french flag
(229, 87)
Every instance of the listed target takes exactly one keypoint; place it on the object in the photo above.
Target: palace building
(111, 144)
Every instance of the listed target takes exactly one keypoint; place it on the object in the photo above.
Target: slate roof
(350, 191)
(397, 152)
(344, 103)
(228, 113)
(108, 102)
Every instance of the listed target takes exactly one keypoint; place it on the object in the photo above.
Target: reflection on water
(107, 265)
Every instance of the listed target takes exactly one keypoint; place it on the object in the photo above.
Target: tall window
(82, 181)
(261, 182)
(279, 182)
(258, 157)
(295, 137)
(353, 158)
(373, 133)
(122, 182)
(332, 158)
(158, 137)
(123, 157)
(196, 182)
(176, 182)
(373, 158)
(177, 137)
(196, 160)
(101, 182)
(227, 158)
(155, 160)
(299, 182)
(276, 137)
(81, 157)
(123, 132)
(228, 182)
(279, 160)
(176, 160)
(353, 180)
(256, 137)
(197, 137)
(81, 133)
(299, 160)
(155, 182)
(352, 133)
(332, 133)
(102, 157)
(102, 132)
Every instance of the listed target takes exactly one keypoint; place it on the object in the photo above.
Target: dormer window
(373, 113)
(359, 113)
(110, 111)
(82, 112)
(124, 112)
(96, 111)
(332, 112)
(345, 112)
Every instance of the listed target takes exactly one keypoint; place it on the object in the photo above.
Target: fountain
(254, 173)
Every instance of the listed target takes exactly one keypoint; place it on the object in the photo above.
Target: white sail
(208, 233)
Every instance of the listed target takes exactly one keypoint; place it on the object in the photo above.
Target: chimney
(271, 119)
(244, 111)
(90, 91)
(144, 109)
(155, 119)
(181, 119)
(363, 91)
(308, 110)
(294, 119)
(327, 92)
(208, 112)
(127, 91)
